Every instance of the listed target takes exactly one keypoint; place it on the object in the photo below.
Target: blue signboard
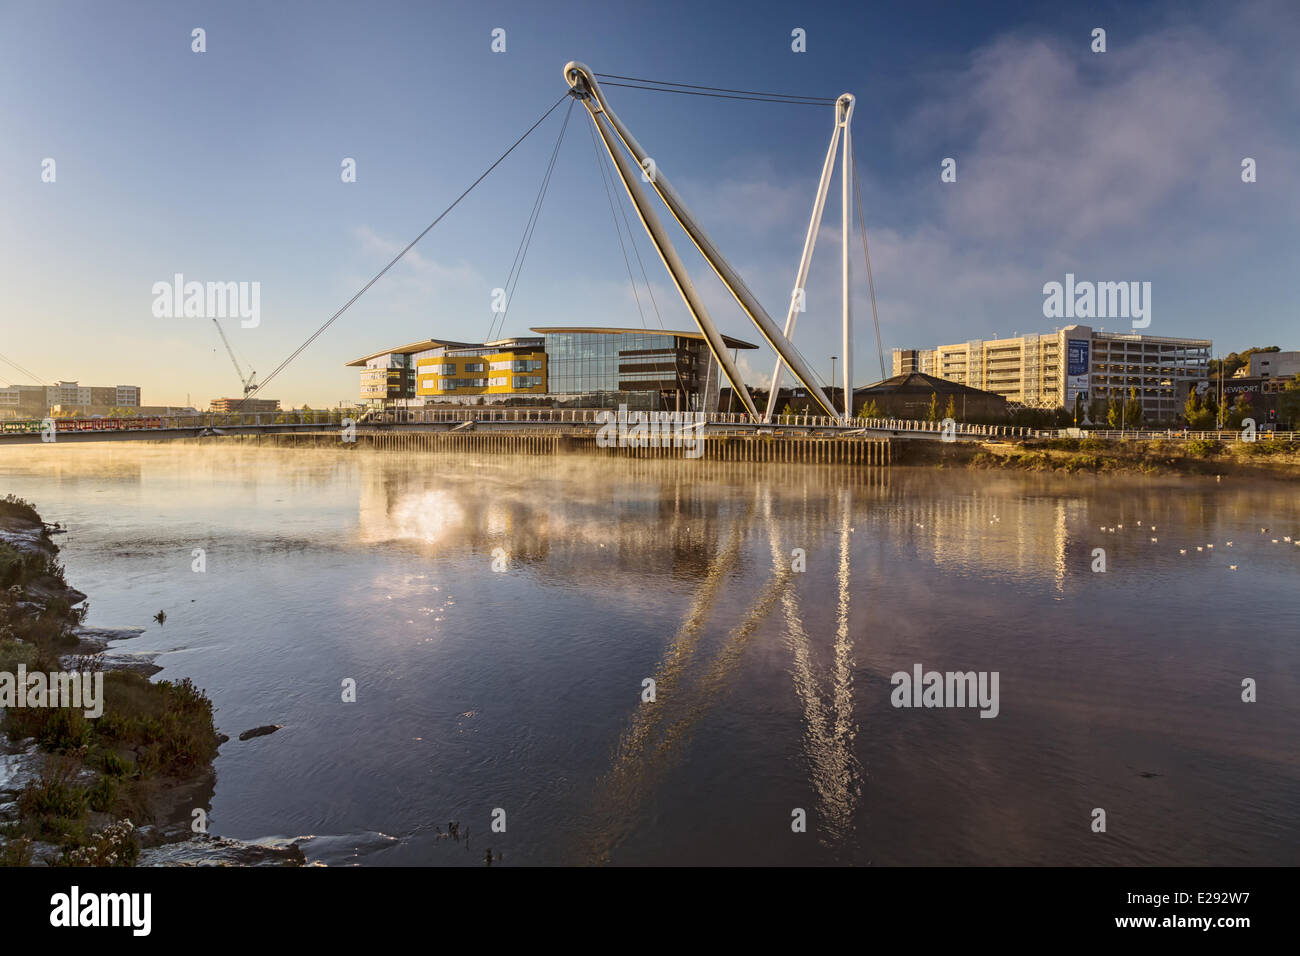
(1076, 370)
(1077, 359)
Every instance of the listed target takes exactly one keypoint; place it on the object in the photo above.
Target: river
(500, 617)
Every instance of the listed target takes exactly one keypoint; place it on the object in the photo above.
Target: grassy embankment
(1268, 458)
(98, 773)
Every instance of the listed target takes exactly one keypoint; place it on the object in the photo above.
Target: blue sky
(224, 166)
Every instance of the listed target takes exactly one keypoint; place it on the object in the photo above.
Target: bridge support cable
(866, 253)
(665, 86)
(30, 374)
(636, 251)
(607, 179)
(397, 258)
(659, 237)
(841, 139)
(583, 82)
(497, 323)
(618, 231)
(805, 261)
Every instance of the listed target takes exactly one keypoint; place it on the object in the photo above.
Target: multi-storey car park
(1052, 370)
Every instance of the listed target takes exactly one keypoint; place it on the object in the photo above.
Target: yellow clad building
(514, 366)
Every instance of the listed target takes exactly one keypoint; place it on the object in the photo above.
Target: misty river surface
(521, 689)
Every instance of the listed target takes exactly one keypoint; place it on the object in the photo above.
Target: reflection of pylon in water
(828, 737)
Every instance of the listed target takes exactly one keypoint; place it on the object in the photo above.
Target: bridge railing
(1179, 434)
(589, 416)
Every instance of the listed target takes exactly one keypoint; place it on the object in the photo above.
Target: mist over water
(521, 689)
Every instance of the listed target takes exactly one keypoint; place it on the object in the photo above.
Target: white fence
(588, 416)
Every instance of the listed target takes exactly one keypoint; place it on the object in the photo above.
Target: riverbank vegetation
(1264, 458)
(97, 775)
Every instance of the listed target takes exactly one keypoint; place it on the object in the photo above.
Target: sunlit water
(522, 689)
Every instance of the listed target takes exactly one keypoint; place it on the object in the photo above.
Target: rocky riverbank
(129, 785)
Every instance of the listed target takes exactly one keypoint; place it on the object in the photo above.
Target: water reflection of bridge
(731, 529)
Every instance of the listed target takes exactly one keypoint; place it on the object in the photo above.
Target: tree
(932, 412)
(950, 410)
(1133, 410)
(869, 410)
(1234, 361)
(1240, 411)
(1097, 411)
(1114, 414)
(788, 410)
(1288, 404)
(1199, 413)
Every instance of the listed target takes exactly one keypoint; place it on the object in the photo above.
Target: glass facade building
(640, 368)
(559, 368)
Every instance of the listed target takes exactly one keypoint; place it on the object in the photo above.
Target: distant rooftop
(414, 347)
(729, 341)
(917, 382)
(427, 344)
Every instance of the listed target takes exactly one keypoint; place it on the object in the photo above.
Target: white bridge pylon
(611, 129)
(840, 137)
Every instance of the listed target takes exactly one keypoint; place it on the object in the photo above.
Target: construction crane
(250, 383)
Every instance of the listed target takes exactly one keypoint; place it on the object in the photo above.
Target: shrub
(13, 506)
(16, 852)
(1265, 447)
(115, 845)
(115, 765)
(103, 795)
(53, 802)
(169, 724)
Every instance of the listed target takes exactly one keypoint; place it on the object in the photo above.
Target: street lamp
(833, 357)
